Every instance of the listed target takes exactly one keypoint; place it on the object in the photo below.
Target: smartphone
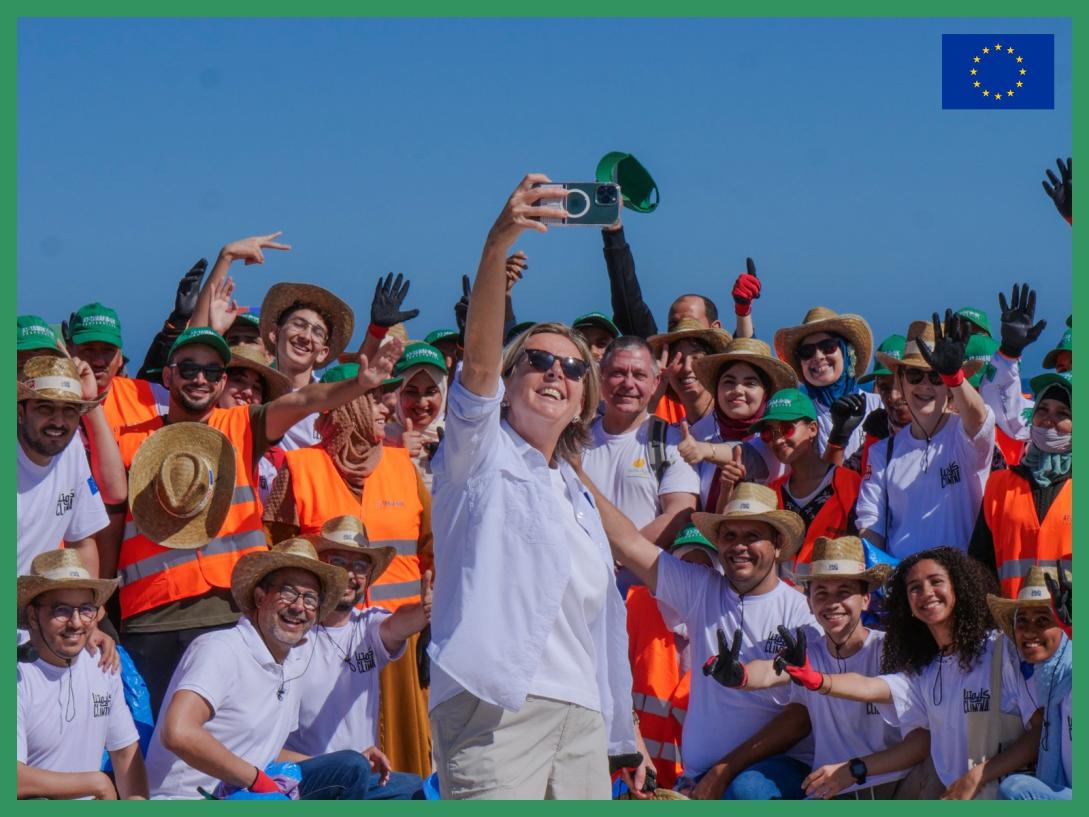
(589, 204)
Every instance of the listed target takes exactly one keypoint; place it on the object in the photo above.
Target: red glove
(746, 289)
(805, 675)
(263, 784)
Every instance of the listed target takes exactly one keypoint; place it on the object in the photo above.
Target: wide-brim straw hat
(51, 377)
(756, 503)
(921, 331)
(691, 329)
(252, 356)
(754, 352)
(852, 328)
(281, 297)
(842, 558)
(56, 570)
(1033, 593)
(181, 485)
(298, 553)
(348, 533)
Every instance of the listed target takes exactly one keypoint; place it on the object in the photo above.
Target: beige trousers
(546, 750)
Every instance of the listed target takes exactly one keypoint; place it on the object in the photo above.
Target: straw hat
(348, 533)
(852, 328)
(252, 356)
(1033, 593)
(747, 350)
(921, 331)
(55, 570)
(298, 553)
(691, 329)
(842, 558)
(282, 296)
(181, 485)
(756, 503)
(49, 377)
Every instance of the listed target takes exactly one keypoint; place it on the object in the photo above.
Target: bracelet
(952, 380)
(376, 331)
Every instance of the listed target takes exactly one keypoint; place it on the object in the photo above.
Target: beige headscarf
(349, 437)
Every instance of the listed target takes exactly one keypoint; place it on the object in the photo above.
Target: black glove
(947, 356)
(1062, 596)
(423, 660)
(1061, 190)
(388, 297)
(461, 308)
(1017, 329)
(847, 413)
(185, 301)
(725, 667)
(793, 654)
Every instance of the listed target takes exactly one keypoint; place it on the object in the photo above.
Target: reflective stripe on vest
(400, 590)
(242, 493)
(174, 558)
(650, 704)
(1017, 568)
(679, 715)
(404, 547)
(664, 751)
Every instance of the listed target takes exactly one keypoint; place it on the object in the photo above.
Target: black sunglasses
(915, 376)
(827, 347)
(188, 370)
(542, 361)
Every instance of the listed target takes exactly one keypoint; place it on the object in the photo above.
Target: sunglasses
(573, 367)
(771, 430)
(826, 346)
(916, 376)
(188, 370)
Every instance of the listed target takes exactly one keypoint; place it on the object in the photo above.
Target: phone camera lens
(605, 195)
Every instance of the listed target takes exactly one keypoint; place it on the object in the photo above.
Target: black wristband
(117, 507)
(838, 438)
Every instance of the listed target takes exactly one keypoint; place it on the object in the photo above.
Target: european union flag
(997, 71)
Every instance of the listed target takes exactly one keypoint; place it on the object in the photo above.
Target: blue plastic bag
(874, 617)
(138, 701)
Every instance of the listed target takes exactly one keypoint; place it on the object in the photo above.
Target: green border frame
(1004, 9)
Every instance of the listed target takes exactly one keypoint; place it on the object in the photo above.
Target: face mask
(1049, 440)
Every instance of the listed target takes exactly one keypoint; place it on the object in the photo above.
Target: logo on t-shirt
(774, 644)
(65, 500)
(977, 701)
(871, 709)
(364, 661)
(102, 704)
(950, 474)
(92, 485)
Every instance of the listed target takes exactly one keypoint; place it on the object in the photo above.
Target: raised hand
(461, 308)
(185, 299)
(517, 264)
(726, 667)
(372, 373)
(388, 297)
(691, 450)
(223, 310)
(1062, 598)
(521, 211)
(794, 660)
(734, 471)
(427, 586)
(847, 413)
(87, 381)
(251, 249)
(746, 289)
(947, 356)
(1018, 330)
(1061, 190)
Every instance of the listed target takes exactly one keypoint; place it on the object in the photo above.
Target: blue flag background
(997, 71)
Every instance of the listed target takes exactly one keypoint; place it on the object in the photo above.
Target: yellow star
(972, 72)
(986, 93)
(975, 84)
(1023, 72)
(986, 51)
(1009, 93)
(998, 96)
(975, 59)
(1020, 59)
(1009, 50)
(1019, 83)
(998, 46)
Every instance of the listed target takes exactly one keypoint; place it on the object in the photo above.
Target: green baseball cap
(981, 348)
(893, 346)
(518, 329)
(977, 317)
(342, 371)
(420, 354)
(32, 332)
(390, 382)
(636, 185)
(252, 317)
(788, 404)
(596, 319)
(95, 322)
(205, 335)
(1064, 380)
(692, 536)
(440, 335)
(1066, 344)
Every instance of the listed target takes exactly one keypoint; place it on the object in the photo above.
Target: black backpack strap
(656, 446)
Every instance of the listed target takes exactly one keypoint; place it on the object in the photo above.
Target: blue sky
(819, 148)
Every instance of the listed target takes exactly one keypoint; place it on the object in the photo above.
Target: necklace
(346, 656)
(284, 682)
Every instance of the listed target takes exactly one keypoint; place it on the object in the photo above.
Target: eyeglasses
(573, 367)
(357, 566)
(64, 612)
(302, 325)
(189, 369)
(916, 376)
(289, 595)
(826, 347)
(771, 430)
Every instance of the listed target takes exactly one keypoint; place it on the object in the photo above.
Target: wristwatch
(858, 770)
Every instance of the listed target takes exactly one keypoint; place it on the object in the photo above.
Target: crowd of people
(542, 560)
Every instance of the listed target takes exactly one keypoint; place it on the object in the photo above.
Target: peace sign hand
(947, 356)
(794, 660)
(250, 249)
(726, 667)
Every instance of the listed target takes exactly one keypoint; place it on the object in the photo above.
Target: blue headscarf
(827, 395)
(1053, 680)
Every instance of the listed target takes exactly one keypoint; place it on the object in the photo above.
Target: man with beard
(351, 646)
(169, 596)
(894, 414)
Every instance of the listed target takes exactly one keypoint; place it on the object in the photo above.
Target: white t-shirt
(339, 691)
(1066, 710)
(567, 670)
(934, 490)
(719, 719)
(858, 437)
(55, 502)
(760, 463)
(302, 434)
(845, 729)
(65, 719)
(940, 697)
(618, 464)
(236, 674)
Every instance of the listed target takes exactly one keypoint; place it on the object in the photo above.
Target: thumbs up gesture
(412, 440)
(692, 451)
(733, 472)
(746, 289)
(427, 584)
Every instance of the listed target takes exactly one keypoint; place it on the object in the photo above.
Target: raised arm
(630, 311)
(947, 358)
(386, 311)
(250, 250)
(746, 290)
(185, 301)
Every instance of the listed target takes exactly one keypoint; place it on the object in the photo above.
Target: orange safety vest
(833, 517)
(391, 511)
(152, 575)
(670, 410)
(129, 403)
(1020, 539)
(655, 673)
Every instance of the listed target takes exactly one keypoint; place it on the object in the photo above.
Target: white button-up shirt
(502, 566)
